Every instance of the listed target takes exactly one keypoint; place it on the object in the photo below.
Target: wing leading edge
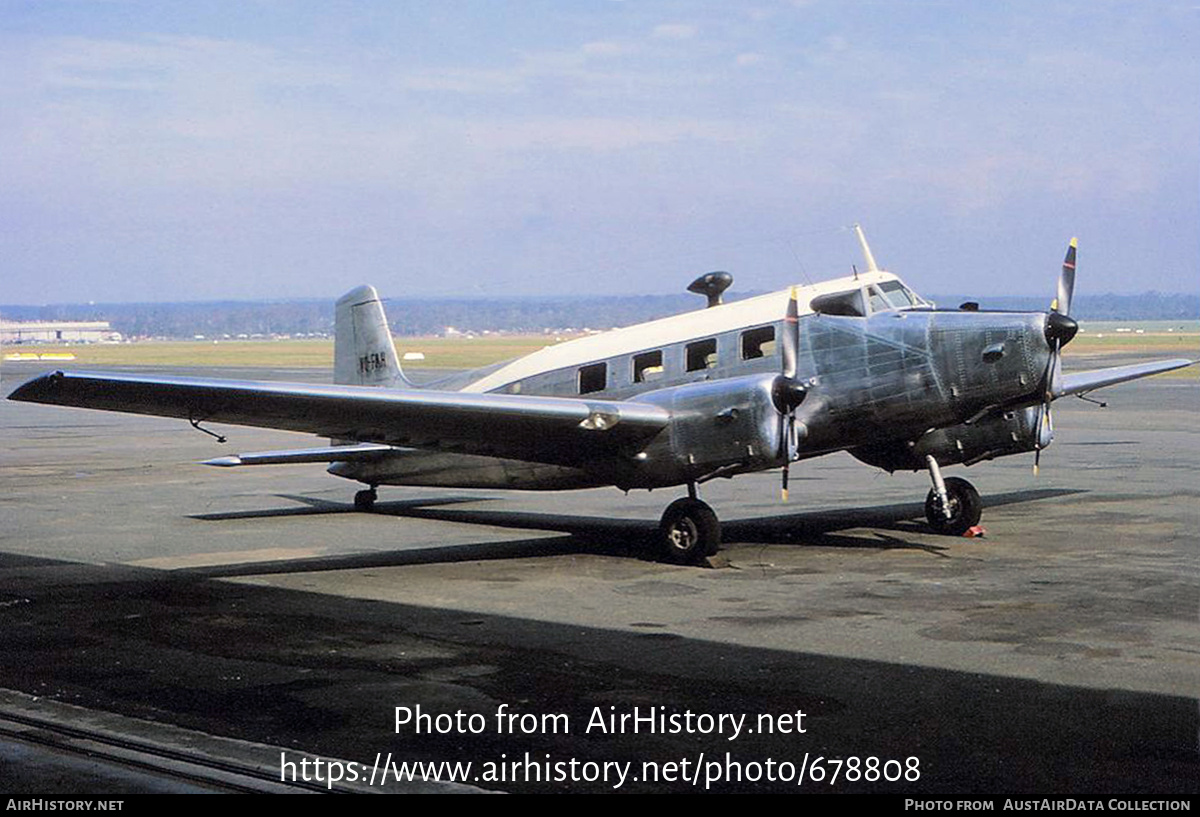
(1081, 382)
(555, 430)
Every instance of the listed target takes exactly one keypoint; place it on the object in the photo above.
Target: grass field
(463, 353)
(1157, 342)
(1183, 344)
(440, 353)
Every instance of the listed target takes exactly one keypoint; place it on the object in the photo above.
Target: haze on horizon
(256, 150)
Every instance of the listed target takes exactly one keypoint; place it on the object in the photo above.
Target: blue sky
(187, 151)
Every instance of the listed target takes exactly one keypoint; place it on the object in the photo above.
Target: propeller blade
(1066, 282)
(789, 392)
(791, 338)
(1054, 378)
(1050, 379)
(1044, 433)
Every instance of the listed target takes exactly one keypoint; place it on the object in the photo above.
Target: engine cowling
(718, 428)
(998, 435)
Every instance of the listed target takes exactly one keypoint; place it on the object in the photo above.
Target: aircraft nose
(1060, 329)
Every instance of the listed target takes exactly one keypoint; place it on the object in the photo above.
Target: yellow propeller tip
(783, 494)
(1075, 243)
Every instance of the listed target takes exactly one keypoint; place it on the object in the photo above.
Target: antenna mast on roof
(866, 250)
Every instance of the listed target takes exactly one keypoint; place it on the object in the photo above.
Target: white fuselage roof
(730, 317)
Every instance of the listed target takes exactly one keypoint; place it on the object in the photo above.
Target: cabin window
(593, 377)
(758, 342)
(702, 355)
(647, 366)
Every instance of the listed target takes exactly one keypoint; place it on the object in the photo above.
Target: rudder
(363, 351)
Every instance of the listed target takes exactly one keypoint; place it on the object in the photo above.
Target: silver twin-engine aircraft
(859, 364)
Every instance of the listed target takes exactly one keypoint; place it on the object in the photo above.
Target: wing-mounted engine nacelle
(997, 435)
(718, 428)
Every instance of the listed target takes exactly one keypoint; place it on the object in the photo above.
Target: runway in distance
(859, 364)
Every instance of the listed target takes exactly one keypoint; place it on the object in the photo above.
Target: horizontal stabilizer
(1080, 382)
(332, 453)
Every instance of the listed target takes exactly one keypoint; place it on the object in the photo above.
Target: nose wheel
(689, 532)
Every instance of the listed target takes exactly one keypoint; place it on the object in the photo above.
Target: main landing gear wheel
(965, 508)
(365, 500)
(689, 532)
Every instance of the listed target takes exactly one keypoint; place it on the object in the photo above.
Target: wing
(560, 431)
(1081, 382)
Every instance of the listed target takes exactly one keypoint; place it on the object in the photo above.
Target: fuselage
(883, 371)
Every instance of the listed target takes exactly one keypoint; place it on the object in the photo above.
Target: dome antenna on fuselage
(711, 285)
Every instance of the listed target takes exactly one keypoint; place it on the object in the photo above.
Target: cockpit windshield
(877, 301)
(880, 297)
(898, 296)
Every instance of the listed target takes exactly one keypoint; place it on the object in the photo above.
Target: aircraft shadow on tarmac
(600, 535)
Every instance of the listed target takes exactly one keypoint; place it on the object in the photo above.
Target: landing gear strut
(953, 505)
(689, 530)
(365, 500)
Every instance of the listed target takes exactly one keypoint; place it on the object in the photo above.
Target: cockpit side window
(848, 304)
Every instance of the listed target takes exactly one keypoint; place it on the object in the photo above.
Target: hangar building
(56, 332)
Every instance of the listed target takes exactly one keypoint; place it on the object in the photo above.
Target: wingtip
(224, 462)
(37, 389)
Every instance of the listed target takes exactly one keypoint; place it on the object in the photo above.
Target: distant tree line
(1148, 306)
(217, 319)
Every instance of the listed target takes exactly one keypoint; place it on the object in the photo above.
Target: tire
(689, 531)
(965, 508)
(364, 500)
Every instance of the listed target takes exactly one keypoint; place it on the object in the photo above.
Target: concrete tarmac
(1060, 654)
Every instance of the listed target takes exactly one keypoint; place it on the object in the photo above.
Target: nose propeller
(1060, 329)
(788, 392)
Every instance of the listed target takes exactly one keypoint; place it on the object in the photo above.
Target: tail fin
(363, 351)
